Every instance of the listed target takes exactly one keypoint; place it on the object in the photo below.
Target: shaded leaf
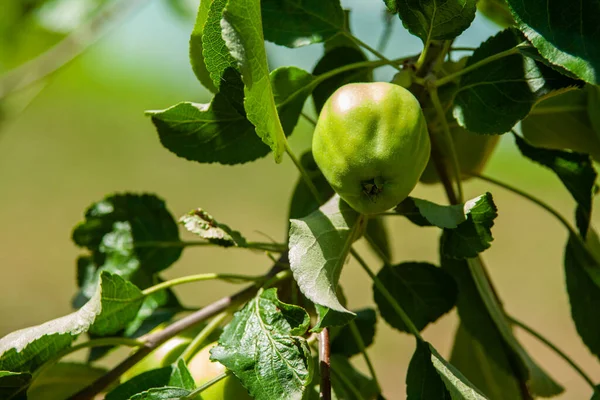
(63, 380)
(562, 122)
(207, 133)
(424, 291)
(319, 244)
(242, 31)
(467, 227)
(474, 235)
(491, 99)
(436, 19)
(122, 232)
(13, 385)
(171, 377)
(565, 36)
(348, 383)
(584, 293)
(430, 377)
(296, 23)
(26, 349)
(484, 361)
(378, 239)
(422, 379)
(303, 201)
(204, 225)
(496, 11)
(485, 320)
(291, 87)
(342, 339)
(576, 172)
(263, 343)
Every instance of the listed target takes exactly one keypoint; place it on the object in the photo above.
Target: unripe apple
(371, 144)
(204, 370)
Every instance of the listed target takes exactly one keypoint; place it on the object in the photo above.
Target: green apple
(371, 144)
(204, 370)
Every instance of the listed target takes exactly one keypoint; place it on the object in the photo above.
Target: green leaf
(593, 107)
(565, 35)
(172, 376)
(296, 23)
(163, 393)
(496, 11)
(458, 386)
(484, 361)
(348, 383)
(196, 47)
(342, 339)
(242, 31)
(217, 132)
(584, 293)
(491, 99)
(335, 58)
(319, 244)
(424, 291)
(181, 376)
(120, 230)
(263, 343)
(422, 379)
(121, 301)
(201, 223)
(485, 320)
(467, 227)
(208, 133)
(430, 377)
(474, 235)
(13, 385)
(108, 311)
(378, 237)
(303, 201)
(62, 380)
(562, 122)
(291, 87)
(575, 171)
(220, 64)
(436, 19)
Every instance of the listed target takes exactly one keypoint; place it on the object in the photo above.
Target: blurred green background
(84, 135)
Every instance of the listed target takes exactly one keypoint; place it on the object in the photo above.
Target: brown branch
(325, 365)
(154, 340)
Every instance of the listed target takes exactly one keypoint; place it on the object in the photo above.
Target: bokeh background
(84, 135)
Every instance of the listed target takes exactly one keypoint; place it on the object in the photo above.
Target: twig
(154, 340)
(325, 365)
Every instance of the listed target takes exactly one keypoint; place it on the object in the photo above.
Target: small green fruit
(371, 143)
(473, 152)
(204, 370)
(164, 355)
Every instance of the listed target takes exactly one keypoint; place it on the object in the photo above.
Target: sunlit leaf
(263, 343)
(565, 34)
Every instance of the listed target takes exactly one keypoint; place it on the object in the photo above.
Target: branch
(153, 340)
(325, 364)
